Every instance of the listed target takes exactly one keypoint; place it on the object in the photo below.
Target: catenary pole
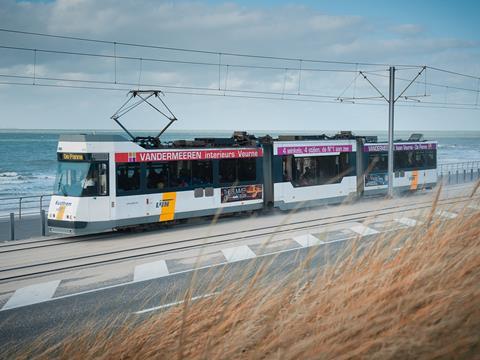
(391, 103)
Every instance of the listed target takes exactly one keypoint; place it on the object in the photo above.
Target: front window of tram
(81, 179)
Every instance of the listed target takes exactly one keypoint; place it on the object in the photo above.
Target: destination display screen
(66, 156)
(72, 157)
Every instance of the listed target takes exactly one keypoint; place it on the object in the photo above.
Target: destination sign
(71, 157)
(178, 155)
(399, 147)
(82, 156)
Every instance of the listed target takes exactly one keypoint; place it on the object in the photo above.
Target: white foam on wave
(8, 174)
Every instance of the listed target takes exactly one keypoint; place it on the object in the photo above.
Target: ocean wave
(9, 174)
(40, 162)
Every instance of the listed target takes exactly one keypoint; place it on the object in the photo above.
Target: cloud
(324, 23)
(285, 30)
(400, 49)
(407, 29)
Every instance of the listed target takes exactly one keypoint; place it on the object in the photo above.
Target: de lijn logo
(162, 204)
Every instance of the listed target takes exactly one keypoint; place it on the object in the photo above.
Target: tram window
(128, 177)
(157, 175)
(247, 169)
(81, 179)
(202, 173)
(238, 170)
(403, 160)
(419, 159)
(102, 179)
(287, 168)
(180, 173)
(228, 170)
(320, 170)
(430, 159)
(377, 162)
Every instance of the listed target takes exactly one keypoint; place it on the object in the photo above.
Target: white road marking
(364, 230)
(176, 303)
(91, 291)
(151, 270)
(407, 221)
(238, 253)
(447, 214)
(32, 294)
(307, 240)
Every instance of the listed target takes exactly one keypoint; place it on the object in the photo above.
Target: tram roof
(241, 139)
(92, 138)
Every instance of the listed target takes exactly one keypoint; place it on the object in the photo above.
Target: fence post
(464, 175)
(12, 226)
(471, 174)
(457, 176)
(42, 220)
(20, 208)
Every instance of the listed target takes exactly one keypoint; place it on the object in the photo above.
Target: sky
(255, 93)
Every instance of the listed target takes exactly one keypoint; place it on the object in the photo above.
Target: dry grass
(419, 301)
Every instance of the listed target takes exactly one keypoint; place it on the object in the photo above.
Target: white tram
(108, 182)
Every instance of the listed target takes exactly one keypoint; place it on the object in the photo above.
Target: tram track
(22, 245)
(38, 244)
(59, 265)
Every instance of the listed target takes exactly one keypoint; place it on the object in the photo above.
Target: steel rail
(392, 210)
(107, 234)
(78, 238)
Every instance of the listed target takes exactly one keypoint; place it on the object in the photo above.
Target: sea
(28, 157)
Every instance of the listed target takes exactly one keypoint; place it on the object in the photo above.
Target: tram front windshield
(81, 179)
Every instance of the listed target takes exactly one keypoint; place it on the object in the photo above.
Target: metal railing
(24, 205)
(456, 173)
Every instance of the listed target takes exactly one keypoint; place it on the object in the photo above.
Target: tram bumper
(67, 227)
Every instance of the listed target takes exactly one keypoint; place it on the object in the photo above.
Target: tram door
(99, 202)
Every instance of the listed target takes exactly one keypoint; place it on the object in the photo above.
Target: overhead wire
(428, 83)
(173, 61)
(199, 88)
(221, 63)
(454, 72)
(243, 96)
(266, 57)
